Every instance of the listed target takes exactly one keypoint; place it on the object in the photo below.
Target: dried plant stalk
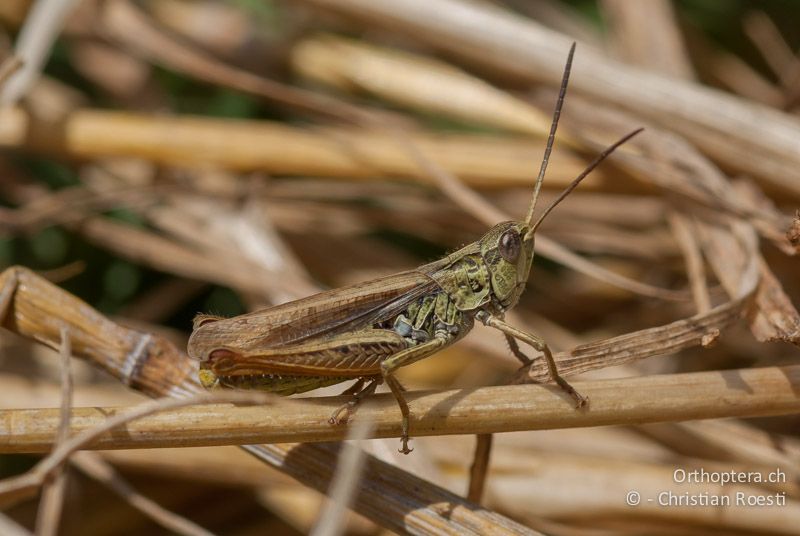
(647, 34)
(699, 330)
(416, 82)
(746, 392)
(33, 45)
(52, 499)
(481, 160)
(480, 467)
(402, 504)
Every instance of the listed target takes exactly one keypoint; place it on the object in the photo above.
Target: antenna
(602, 156)
(551, 138)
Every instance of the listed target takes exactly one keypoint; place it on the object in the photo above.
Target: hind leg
(358, 396)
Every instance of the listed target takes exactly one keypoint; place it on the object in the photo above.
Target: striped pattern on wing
(323, 315)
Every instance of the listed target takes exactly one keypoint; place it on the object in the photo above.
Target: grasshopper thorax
(507, 251)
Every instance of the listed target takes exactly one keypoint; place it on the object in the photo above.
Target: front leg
(512, 334)
(401, 359)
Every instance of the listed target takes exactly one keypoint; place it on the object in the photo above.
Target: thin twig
(49, 515)
(695, 270)
(9, 527)
(767, 38)
(349, 469)
(40, 30)
(9, 66)
(480, 467)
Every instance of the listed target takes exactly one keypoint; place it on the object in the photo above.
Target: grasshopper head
(507, 250)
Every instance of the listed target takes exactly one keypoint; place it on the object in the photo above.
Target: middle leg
(401, 359)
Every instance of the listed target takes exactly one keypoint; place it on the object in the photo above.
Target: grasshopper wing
(322, 315)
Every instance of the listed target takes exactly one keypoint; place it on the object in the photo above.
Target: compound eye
(510, 245)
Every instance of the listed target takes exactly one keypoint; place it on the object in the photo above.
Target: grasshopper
(366, 331)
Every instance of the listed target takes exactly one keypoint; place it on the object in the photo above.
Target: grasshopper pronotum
(366, 331)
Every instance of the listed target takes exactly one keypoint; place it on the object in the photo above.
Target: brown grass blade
(698, 330)
(48, 516)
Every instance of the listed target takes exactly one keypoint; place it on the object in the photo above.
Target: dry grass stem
(646, 34)
(349, 468)
(418, 83)
(479, 469)
(125, 22)
(738, 76)
(429, 510)
(695, 270)
(70, 205)
(196, 142)
(746, 392)
(33, 45)
(591, 484)
(773, 48)
(729, 441)
(172, 256)
(12, 528)
(11, 487)
(52, 501)
(8, 67)
(699, 330)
